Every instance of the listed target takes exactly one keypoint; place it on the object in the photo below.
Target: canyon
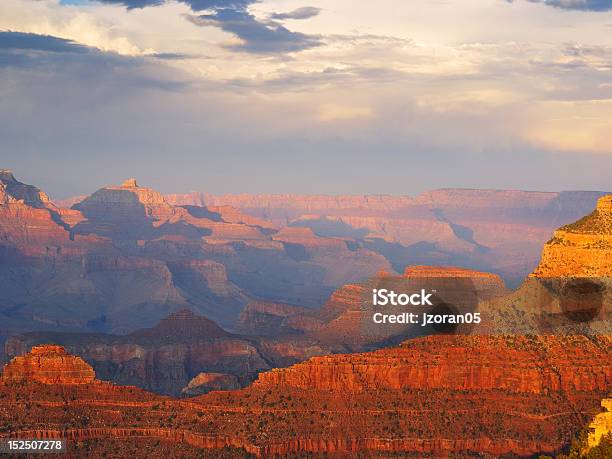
(476, 229)
(127, 256)
(187, 353)
(184, 348)
(124, 258)
(523, 384)
(184, 353)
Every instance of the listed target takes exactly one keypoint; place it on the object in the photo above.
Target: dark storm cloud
(33, 42)
(196, 5)
(256, 36)
(581, 5)
(27, 50)
(305, 12)
(134, 3)
(232, 16)
(48, 55)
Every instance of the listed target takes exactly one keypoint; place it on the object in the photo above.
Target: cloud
(232, 16)
(29, 41)
(582, 5)
(27, 50)
(256, 36)
(334, 112)
(572, 125)
(305, 12)
(65, 60)
(195, 5)
(130, 4)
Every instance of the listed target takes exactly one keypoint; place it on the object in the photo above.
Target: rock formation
(13, 191)
(570, 291)
(124, 258)
(273, 319)
(344, 321)
(511, 394)
(439, 396)
(206, 382)
(511, 364)
(475, 228)
(48, 364)
(581, 249)
(601, 424)
(165, 358)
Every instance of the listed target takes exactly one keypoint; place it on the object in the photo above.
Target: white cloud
(469, 74)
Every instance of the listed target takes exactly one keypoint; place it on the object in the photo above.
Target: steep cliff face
(13, 191)
(48, 364)
(28, 218)
(570, 291)
(442, 395)
(512, 364)
(428, 397)
(601, 425)
(581, 249)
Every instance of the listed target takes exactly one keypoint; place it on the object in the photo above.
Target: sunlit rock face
(601, 424)
(440, 395)
(436, 396)
(48, 364)
(581, 249)
(570, 291)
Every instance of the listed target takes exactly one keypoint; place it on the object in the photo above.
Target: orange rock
(581, 249)
(48, 364)
(511, 364)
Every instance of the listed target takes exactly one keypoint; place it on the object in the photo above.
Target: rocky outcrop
(48, 364)
(601, 424)
(127, 201)
(488, 285)
(206, 382)
(13, 191)
(344, 321)
(581, 249)
(440, 396)
(513, 364)
(570, 291)
(28, 219)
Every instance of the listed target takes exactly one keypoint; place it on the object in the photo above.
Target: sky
(307, 96)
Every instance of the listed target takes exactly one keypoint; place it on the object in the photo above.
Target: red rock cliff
(513, 364)
(48, 364)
